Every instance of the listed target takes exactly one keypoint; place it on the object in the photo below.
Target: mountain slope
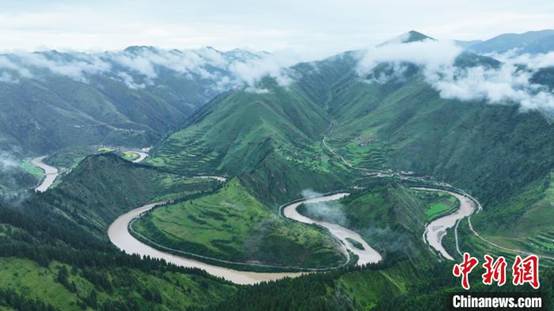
(416, 130)
(261, 137)
(49, 263)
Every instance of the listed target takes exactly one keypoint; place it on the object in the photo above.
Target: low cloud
(532, 61)
(509, 83)
(7, 162)
(430, 54)
(11, 69)
(28, 65)
(330, 212)
(130, 81)
(138, 67)
(272, 65)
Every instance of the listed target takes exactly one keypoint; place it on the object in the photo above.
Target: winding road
(50, 174)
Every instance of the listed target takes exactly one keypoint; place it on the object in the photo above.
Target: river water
(366, 255)
(50, 174)
(436, 230)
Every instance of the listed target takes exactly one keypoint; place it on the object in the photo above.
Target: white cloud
(507, 84)
(7, 64)
(7, 162)
(276, 66)
(139, 67)
(136, 63)
(533, 61)
(7, 78)
(429, 54)
(129, 81)
(77, 67)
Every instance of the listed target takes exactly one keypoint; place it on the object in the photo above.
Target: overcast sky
(317, 27)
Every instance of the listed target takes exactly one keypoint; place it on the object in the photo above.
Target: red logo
(524, 270)
(495, 270)
(464, 269)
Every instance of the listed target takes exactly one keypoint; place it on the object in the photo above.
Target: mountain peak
(412, 36)
(139, 48)
(408, 37)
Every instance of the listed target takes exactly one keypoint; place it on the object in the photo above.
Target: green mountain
(259, 137)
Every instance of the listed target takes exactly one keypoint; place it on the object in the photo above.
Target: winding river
(350, 242)
(436, 230)
(119, 235)
(50, 174)
(366, 254)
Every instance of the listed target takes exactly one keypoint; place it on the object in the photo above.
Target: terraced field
(543, 243)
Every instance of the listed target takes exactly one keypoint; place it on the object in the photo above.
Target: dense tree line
(312, 292)
(12, 299)
(429, 289)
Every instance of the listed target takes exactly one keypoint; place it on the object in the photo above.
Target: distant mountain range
(50, 100)
(529, 42)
